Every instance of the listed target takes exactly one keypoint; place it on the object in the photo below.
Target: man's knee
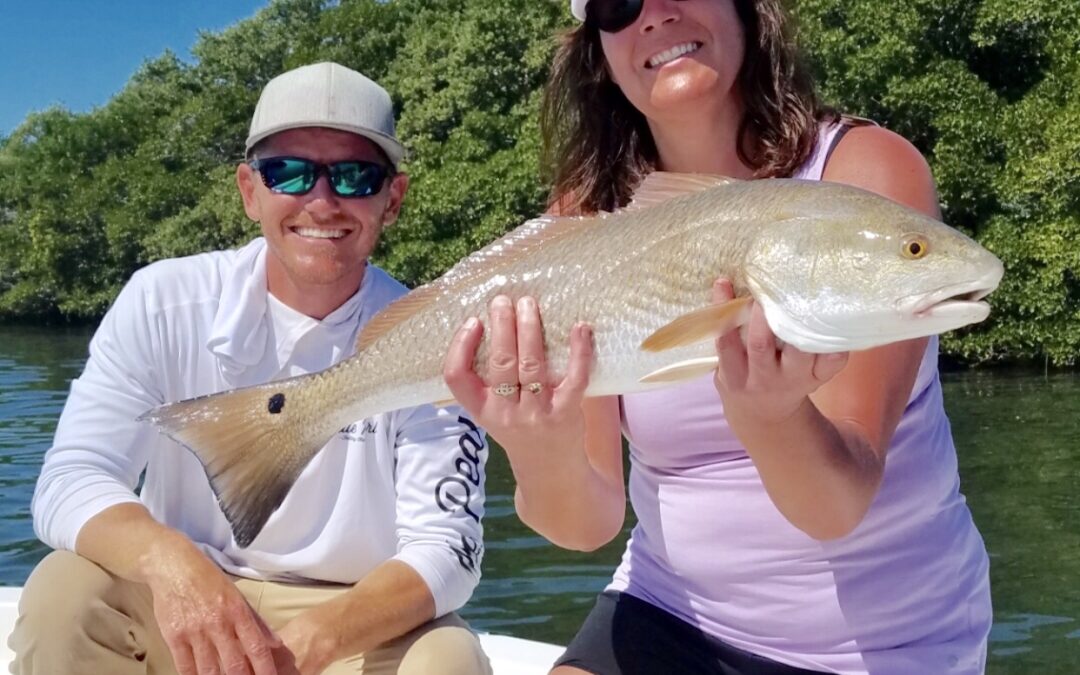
(448, 647)
(72, 611)
(56, 608)
(60, 591)
(74, 617)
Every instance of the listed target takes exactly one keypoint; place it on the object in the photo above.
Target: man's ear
(246, 181)
(399, 185)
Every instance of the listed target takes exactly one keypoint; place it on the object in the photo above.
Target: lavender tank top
(906, 592)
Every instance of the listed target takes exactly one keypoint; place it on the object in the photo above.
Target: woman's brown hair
(597, 146)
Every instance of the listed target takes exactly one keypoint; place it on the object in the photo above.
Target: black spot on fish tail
(277, 402)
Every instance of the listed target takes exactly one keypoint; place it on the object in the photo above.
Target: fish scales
(629, 299)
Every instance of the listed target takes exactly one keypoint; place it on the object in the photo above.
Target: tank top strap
(829, 135)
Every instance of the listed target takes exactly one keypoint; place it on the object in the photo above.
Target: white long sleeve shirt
(406, 485)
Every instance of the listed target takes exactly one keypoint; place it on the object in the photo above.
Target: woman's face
(676, 54)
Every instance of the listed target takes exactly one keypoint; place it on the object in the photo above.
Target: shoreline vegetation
(988, 90)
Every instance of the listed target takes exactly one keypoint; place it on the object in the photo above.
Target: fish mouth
(957, 299)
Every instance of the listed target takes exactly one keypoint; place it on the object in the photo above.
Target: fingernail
(471, 323)
(526, 304)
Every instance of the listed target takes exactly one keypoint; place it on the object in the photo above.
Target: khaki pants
(77, 619)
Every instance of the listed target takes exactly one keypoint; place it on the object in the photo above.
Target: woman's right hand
(536, 410)
(565, 452)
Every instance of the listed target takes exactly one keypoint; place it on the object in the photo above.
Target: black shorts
(624, 635)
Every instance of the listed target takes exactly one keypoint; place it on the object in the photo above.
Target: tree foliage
(987, 89)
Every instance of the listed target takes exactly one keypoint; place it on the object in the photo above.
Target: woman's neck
(705, 141)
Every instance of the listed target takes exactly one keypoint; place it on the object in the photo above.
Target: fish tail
(253, 444)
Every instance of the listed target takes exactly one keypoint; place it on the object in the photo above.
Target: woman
(773, 535)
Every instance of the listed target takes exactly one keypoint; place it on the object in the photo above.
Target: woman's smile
(668, 55)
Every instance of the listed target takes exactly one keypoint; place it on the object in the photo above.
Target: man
(362, 566)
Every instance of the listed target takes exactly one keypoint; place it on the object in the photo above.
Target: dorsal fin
(660, 186)
(394, 313)
(483, 263)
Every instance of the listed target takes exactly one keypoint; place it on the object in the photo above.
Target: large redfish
(834, 267)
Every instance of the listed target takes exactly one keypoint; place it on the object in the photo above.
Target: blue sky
(78, 53)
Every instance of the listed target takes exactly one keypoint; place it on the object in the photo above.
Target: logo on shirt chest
(358, 430)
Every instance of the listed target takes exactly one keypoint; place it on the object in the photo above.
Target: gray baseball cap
(326, 95)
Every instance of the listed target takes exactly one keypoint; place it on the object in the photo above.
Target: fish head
(861, 271)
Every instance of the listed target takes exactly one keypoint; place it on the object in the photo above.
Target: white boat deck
(509, 655)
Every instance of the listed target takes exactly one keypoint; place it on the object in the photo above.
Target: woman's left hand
(759, 380)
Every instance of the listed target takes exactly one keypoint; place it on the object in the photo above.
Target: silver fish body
(834, 267)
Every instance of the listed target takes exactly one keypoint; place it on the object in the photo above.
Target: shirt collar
(239, 336)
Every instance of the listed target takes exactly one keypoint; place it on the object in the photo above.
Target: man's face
(299, 261)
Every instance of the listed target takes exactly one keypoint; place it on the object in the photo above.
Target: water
(1018, 436)
(36, 368)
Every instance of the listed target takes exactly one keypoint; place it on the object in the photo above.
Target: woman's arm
(818, 427)
(580, 505)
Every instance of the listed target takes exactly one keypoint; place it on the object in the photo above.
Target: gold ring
(535, 387)
(506, 389)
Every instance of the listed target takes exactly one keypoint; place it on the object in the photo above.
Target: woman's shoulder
(882, 161)
(871, 147)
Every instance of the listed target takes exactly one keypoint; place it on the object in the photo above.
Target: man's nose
(321, 200)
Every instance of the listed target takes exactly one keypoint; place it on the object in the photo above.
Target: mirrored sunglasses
(297, 176)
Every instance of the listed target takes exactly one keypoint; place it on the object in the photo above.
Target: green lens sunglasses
(297, 176)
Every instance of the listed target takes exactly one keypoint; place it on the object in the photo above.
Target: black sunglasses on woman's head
(611, 16)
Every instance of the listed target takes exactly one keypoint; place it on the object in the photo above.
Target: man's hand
(307, 643)
(205, 621)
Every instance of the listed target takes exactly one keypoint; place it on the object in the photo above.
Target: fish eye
(915, 246)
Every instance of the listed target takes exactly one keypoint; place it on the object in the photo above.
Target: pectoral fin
(683, 370)
(702, 324)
